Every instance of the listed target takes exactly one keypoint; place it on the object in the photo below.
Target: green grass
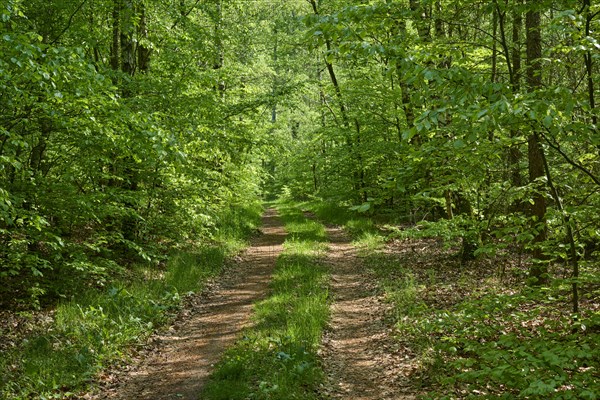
(367, 237)
(276, 358)
(97, 328)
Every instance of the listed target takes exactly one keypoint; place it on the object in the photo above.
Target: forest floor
(404, 316)
(360, 357)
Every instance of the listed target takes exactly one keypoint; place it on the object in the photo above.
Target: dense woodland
(130, 128)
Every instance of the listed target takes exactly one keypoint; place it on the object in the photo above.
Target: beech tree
(429, 113)
(123, 123)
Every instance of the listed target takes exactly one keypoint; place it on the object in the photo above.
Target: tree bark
(143, 50)
(514, 153)
(127, 45)
(535, 150)
(115, 49)
(589, 64)
(421, 20)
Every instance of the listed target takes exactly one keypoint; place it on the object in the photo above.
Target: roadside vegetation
(277, 357)
(458, 141)
(99, 327)
(476, 329)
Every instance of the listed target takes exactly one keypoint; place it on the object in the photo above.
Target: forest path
(358, 352)
(361, 358)
(184, 356)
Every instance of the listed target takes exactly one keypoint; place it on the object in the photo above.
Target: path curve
(186, 354)
(359, 353)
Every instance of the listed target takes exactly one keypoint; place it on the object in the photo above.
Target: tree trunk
(358, 174)
(535, 150)
(143, 50)
(127, 45)
(514, 153)
(421, 20)
(494, 71)
(115, 48)
(589, 64)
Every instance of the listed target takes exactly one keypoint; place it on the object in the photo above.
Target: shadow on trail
(357, 349)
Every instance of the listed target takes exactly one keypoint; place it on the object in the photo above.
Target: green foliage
(97, 327)
(432, 124)
(490, 342)
(101, 164)
(125, 132)
(521, 350)
(277, 357)
(367, 236)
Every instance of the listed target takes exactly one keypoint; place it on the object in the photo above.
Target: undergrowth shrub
(510, 346)
(96, 327)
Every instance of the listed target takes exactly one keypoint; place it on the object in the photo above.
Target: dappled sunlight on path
(359, 354)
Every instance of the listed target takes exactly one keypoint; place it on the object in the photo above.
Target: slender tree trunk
(516, 49)
(514, 154)
(315, 177)
(358, 174)
(127, 45)
(570, 237)
(422, 19)
(143, 50)
(405, 89)
(439, 24)
(494, 45)
(219, 61)
(275, 83)
(589, 63)
(115, 49)
(220, 57)
(535, 150)
(37, 152)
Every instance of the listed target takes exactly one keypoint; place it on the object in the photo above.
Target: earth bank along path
(362, 360)
(183, 357)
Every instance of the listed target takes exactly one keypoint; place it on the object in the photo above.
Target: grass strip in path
(277, 357)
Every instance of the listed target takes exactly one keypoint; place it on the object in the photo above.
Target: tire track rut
(183, 358)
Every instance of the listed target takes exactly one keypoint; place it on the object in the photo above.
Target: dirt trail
(362, 360)
(183, 357)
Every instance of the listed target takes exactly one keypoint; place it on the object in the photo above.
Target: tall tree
(535, 151)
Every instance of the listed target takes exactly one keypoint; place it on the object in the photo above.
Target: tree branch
(580, 167)
(56, 39)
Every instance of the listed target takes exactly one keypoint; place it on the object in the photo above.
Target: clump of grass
(331, 212)
(276, 359)
(98, 327)
(236, 225)
(364, 232)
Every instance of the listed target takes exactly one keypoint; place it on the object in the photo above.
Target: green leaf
(547, 121)
(459, 144)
